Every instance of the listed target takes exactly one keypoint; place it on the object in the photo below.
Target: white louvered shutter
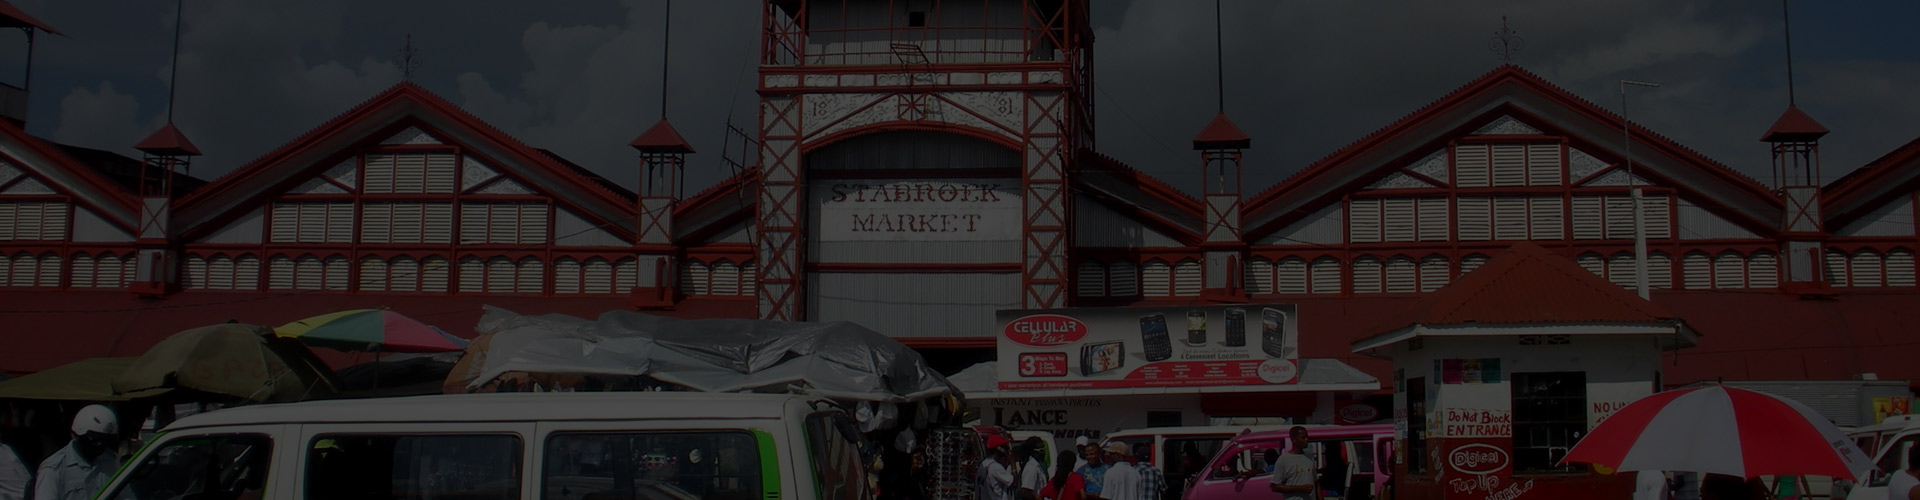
(598, 276)
(1658, 212)
(1290, 276)
(473, 275)
(1763, 270)
(220, 273)
(1696, 271)
(1589, 218)
(441, 174)
(286, 222)
(26, 221)
(1470, 167)
(1509, 165)
(405, 274)
(1836, 268)
(1188, 277)
(379, 178)
(566, 276)
(693, 277)
(1729, 271)
(1363, 220)
(530, 276)
(1593, 263)
(1864, 271)
(1509, 218)
(1471, 262)
(1545, 218)
(1900, 268)
(20, 273)
(195, 277)
(726, 278)
(1326, 276)
(1259, 276)
(49, 273)
(126, 271)
(1156, 279)
(438, 224)
(1123, 279)
(1543, 165)
(626, 276)
(748, 280)
(9, 221)
(1620, 270)
(313, 222)
(1476, 218)
(308, 273)
(500, 274)
(407, 223)
(473, 222)
(410, 173)
(246, 273)
(376, 223)
(533, 223)
(1403, 276)
(373, 274)
(340, 223)
(338, 270)
(1366, 275)
(1435, 220)
(1619, 217)
(280, 273)
(503, 225)
(1659, 271)
(1433, 273)
(1091, 279)
(434, 272)
(53, 221)
(1400, 219)
(83, 268)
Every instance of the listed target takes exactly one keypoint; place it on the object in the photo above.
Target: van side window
(413, 466)
(1183, 459)
(213, 467)
(1893, 461)
(718, 465)
(835, 450)
(1254, 461)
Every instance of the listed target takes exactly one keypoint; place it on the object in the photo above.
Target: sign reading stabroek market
(917, 209)
(1149, 347)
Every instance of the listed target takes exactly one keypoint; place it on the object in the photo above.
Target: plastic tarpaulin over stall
(837, 360)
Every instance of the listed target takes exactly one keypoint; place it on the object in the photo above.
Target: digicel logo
(1046, 330)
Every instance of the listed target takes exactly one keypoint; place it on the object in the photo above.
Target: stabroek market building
(922, 167)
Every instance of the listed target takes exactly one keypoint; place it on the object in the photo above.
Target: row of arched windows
(1870, 268)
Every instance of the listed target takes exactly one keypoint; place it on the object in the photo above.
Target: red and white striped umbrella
(1721, 430)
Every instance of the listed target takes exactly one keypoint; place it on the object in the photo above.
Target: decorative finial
(408, 60)
(1506, 42)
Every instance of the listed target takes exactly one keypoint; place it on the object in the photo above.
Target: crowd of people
(1113, 472)
(77, 472)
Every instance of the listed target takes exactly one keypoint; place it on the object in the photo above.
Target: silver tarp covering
(838, 360)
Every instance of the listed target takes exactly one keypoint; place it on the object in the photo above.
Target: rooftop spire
(1506, 42)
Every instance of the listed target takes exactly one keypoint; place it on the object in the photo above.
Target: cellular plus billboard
(1149, 347)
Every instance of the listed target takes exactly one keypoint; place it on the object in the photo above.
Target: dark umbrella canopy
(236, 360)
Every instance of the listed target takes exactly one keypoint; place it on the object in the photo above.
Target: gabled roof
(314, 151)
(1164, 207)
(1527, 284)
(661, 138)
(88, 186)
(1866, 188)
(1507, 89)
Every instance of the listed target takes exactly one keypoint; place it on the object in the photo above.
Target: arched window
(1156, 279)
(1123, 279)
(1326, 276)
(1188, 277)
(1290, 276)
(1433, 273)
(1090, 279)
(1367, 275)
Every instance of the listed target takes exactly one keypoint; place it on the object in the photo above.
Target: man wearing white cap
(1080, 452)
(79, 470)
(1123, 480)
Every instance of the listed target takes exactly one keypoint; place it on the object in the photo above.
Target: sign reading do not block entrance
(1089, 348)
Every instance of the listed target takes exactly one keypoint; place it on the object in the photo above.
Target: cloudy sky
(1303, 77)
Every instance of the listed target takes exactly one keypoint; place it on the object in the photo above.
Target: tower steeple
(1220, 144)
(663, 161)
(1794, 141)
(168, 158)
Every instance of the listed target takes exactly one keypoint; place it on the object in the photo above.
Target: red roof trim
(1527, 284)
(1483, 84)
(108, 189)
(1871, 181)
(1150, 184)
(1794, 126)
(7, 10)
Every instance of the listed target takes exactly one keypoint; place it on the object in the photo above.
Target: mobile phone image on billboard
(1275, 340)
(1102, 357)
(1236, 327)
(1196, 328)
(1153, 334)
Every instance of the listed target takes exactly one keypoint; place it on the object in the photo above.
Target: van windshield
(675, 465)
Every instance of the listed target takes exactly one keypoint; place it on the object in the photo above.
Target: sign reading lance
(917, 209)
(1147, 347)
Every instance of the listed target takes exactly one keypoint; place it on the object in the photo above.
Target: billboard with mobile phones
(1242, 344)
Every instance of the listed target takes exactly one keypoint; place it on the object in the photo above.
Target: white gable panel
(317, 186)
(1399, 180)
(28, 186)
(247, 229)
(1098, 226)
(572, 231)
(1618, 178)
(505, 186)
(347, 173)
(1893, 219)
(474, 173)
(1506, 125)
(1434, 166)
(739, 233)
(1321, 228)
(411, 135)
(1580, 164)
(1697, 223)
(8, 173)
(89, 227)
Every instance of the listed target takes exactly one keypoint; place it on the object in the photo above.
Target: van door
(1360, 470)
(1892, 460)
(666, 459)
(231, 462)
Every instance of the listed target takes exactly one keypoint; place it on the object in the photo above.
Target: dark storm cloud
(1303, 78)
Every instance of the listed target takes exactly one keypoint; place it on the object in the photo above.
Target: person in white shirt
(1295, 475)
(1905, 484)
(1123, 480)
(14, 475)
(81, 469)
(1033, 474)
(995, 481)
(1080, 452)
(1650, 485)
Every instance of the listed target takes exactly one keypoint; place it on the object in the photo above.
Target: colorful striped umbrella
(377, 330)
(1721, 430)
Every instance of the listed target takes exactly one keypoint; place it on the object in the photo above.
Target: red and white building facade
(923, 165)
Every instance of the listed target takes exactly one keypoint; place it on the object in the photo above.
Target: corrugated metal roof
(1528, 284)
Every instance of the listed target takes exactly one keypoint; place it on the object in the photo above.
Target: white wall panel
(1696, 223)
(1892, 219)
(1096, 226)
(903, 305)
(1326, 226)
(89, 227)
(570, 230)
